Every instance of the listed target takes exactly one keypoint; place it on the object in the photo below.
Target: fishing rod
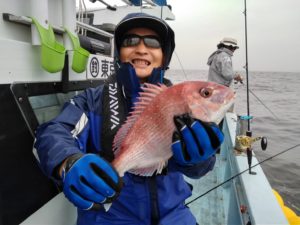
(161, 17)
(240, 173)
(248, 132)
(246, 66)
(181, 65)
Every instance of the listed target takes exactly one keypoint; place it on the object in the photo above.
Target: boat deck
(209, 209)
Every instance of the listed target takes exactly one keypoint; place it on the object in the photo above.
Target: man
(75, 149)
(220, 63)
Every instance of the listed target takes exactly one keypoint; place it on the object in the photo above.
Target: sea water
(274, 103)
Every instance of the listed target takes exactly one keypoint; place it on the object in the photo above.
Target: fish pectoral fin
(149, 171)
(161, 166)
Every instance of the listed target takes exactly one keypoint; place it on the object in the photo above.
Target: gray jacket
(220, 67)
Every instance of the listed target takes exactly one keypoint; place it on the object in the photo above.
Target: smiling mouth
(140, 62)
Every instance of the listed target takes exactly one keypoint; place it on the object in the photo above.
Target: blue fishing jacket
(79, 128)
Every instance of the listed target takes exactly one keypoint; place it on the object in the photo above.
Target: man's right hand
(238, 78)
(89, 180)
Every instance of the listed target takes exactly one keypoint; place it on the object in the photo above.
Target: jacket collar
(130, 83)
(226, 50)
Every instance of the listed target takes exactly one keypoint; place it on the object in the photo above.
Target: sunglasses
(132, 40)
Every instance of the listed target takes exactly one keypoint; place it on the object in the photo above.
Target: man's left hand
(195, 141)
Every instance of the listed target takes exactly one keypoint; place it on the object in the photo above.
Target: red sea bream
(143, 144)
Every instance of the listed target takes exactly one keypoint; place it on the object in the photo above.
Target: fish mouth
(219, 115)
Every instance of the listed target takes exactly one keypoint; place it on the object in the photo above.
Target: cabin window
(46, 107)
(41, 102)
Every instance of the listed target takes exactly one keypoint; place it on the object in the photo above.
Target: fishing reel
(244, 142)
(244, 139)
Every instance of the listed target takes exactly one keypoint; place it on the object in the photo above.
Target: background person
(75, 148)
(220, 63)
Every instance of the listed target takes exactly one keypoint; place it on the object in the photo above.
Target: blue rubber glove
(195, 141)
(89, 181)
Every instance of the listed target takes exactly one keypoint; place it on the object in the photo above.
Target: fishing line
(274, 115)
(263, 104)
(181, 65)
(240, 173)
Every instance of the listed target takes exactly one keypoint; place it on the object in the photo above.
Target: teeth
(141, 62)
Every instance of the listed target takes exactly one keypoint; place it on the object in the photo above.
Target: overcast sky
(273, 32)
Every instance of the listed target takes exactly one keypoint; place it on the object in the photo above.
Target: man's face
(143, 58)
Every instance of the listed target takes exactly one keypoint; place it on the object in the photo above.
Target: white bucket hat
(229, 42)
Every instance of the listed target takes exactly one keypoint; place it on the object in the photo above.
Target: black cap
(136, 20)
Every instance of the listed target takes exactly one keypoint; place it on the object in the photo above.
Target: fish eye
(206, 92)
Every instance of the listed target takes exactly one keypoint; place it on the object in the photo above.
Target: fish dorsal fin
(150, 91)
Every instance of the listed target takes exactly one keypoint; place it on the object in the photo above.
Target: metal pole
(246, 66)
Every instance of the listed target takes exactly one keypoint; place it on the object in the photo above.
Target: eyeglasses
(132, 40)
(233, 47)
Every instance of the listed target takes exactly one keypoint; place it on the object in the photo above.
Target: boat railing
(249, 197)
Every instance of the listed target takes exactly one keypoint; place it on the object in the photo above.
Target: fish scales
(147, 134)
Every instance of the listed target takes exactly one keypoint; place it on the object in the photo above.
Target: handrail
(94, 29)
(27, 21)
(59, 30)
